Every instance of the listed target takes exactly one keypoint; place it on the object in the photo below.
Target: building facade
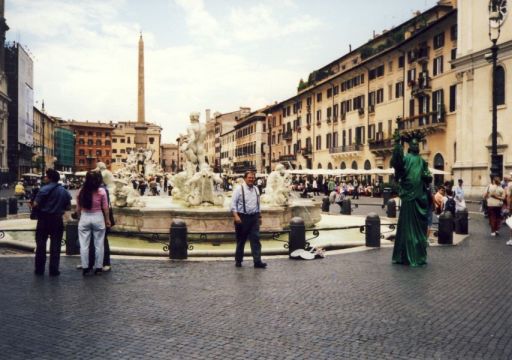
(123, 141)
(170, 154)
(93, 143)
(64, 148)
(345, 114)
(4, 100)
(251, 137)
(475, 89)
(19, 70)
(44, 141)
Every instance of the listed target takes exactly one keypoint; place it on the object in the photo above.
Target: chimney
(208, 111)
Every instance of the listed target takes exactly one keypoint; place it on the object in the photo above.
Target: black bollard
(13, 206)
(3, 208)
(325, 204)
(178, 246)
(72, 243)
(346, 207)
(297, 237)
(461, 222)
(391, 209)
(386, 195)
(445, 233)
(372, 230)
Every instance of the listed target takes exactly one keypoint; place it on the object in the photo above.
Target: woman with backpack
(93, 212)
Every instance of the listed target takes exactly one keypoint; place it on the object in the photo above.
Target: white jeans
(92, 223)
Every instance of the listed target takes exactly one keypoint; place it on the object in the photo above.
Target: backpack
(450, 205)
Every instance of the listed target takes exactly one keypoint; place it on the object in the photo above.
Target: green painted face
(414, 146)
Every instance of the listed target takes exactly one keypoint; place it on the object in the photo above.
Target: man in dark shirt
(51, 201)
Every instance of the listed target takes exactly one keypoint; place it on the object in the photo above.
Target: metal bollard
(372, 230)
(325, 204)
(386, 195)
(72, 243)
(3, 208)
(178, 247)
(461, 222)
(13, 206)
(391, 209)
(297, 237)
(346, 207)
(445, 228)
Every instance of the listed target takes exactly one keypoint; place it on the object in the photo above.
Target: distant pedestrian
(19, 191)
(355, 192)
(245, 207)
(51, 202)
(495, 196)
(460, 202)
(93, 212)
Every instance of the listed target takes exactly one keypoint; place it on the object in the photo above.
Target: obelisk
(141, 127)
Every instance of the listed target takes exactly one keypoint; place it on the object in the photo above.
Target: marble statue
(124, 195)
(195, 185)
(277, 191)
(108, 178)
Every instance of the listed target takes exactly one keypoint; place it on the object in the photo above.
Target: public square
(347, 306)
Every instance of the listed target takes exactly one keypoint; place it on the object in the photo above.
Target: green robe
(411, 241)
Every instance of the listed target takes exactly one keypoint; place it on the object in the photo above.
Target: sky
(199, 54)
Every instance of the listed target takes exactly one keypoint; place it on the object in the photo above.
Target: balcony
(308, 126)
(290, 157)
(343, 116)
(371, 109)
(430, 122)
(335, 119)
(346, 149)
(328, 120)
(287, 135)
(421, 87)
(380, 146)
(307, 151)
(360, 111)
(422, 54)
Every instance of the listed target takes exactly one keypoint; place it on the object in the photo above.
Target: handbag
(35, 212)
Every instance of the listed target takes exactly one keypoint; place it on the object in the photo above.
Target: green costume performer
(413, 176)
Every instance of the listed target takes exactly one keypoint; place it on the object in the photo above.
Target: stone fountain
(195, 199)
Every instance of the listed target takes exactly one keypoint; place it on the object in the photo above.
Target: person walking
(93, 212)
(51, 201)
(19, 191)
(495, 196)
(355, 192)
(245, 207)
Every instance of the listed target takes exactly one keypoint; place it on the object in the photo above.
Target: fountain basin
(158, 216)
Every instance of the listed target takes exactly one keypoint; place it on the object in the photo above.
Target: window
(376, 72)
(411, 107)
(151, 140)
(399, 89)
(81, 141)
(81, 152)
(319, 97)
(411, 75)
(328, 141)
(500, 85)
(98, 134)
(380, 96)
(122, 141)
(453, 32)
(371, 99)
(114, 140)
(114, 151)
(335, 111)
(335, 139)
(453, 54)
(439, 40)
(319, 115)
(358, 102)
(336, 90)
(319, 142)
(107, 142)
(98, 152)
(401, 61)
(129, 140)
(89, 142)
(438, 101)
(98, 142)
(438, 65)
(329, 92)
(453, 97)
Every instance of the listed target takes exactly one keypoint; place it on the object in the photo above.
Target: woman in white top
(494, 196)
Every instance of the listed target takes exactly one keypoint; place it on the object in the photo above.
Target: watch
(501, 7)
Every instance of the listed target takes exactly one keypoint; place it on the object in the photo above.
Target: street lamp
(495, 22)
(42, 140)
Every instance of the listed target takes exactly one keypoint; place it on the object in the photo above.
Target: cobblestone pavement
(351, 306)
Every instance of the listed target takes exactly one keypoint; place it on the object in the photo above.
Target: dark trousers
(106, 257)
(248, 229)
(494, 217)
(52, 226)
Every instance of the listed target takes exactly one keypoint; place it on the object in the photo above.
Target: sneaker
(509, 242)
(79, 267)
(493, 234)
(260, 265)
(107, 268)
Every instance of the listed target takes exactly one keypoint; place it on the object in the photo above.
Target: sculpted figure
(196, 137)
(120, 195)
(108, 178)
(413, 176)
(202, 186)
(277, 191)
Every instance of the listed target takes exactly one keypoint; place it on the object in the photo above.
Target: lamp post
(495, 18)
(43, 169)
